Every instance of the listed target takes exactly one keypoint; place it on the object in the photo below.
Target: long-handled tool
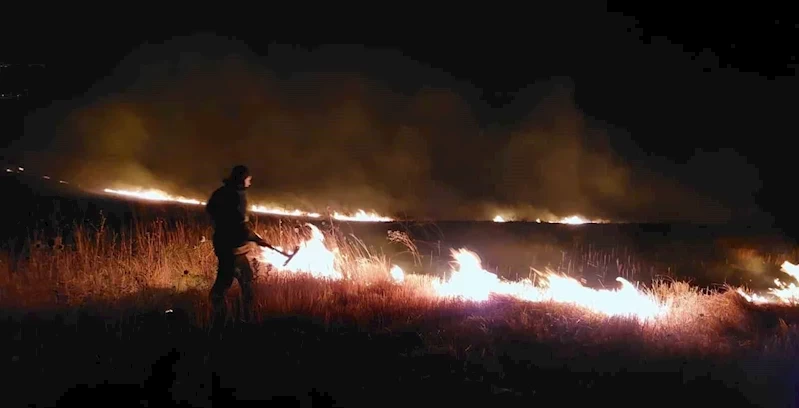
(288, 257)
(296, 249)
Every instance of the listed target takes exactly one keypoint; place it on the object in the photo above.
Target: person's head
(240, 177)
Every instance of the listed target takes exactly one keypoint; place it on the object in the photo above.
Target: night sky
(670, 116)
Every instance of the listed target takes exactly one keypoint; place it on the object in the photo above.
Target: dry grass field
(130, 306)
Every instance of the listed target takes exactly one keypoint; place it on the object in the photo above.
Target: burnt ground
(162, 359)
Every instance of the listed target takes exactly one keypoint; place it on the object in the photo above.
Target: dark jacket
(228, 209)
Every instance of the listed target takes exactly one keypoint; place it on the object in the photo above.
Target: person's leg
(246, 277)
(226, 270)
(224, 279)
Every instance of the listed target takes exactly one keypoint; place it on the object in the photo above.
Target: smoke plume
(179, 115)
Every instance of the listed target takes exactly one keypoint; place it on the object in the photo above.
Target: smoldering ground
(178, 115)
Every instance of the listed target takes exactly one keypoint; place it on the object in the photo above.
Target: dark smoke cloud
(175, 117)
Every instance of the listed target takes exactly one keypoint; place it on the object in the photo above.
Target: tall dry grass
(160, 265)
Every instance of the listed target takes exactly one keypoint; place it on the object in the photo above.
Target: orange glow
(571, 220)
(469, 281)
(159, 195)
(786, 293)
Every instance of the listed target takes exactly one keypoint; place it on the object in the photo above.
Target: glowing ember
(397, 274)
(158, 195)
(499, 218)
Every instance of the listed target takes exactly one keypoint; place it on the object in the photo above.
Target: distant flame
(573, 220)
(361, 215)
(154, 195)
(159, 195)
(579, 220)
(280, 211)
(787, 293)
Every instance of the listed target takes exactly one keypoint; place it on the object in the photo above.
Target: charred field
(107, 300)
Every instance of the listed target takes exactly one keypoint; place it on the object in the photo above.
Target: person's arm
(245, 219)
(210, 207)
(241, 207)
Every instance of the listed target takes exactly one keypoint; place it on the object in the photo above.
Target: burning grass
(177, 259)
(114, 283)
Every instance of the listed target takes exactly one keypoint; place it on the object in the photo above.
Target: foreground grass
(133, 309)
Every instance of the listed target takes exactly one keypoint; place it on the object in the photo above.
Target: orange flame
(787, 293)
(313, 257)
(159, 195)
(572, 220)
(471, 282)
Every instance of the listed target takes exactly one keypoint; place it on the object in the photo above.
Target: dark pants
(232, 265)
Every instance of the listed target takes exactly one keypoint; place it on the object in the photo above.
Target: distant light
(499, 218)
(46, 177)
(574, 220)
(9, 171)
(21, 169)
(62, 182)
